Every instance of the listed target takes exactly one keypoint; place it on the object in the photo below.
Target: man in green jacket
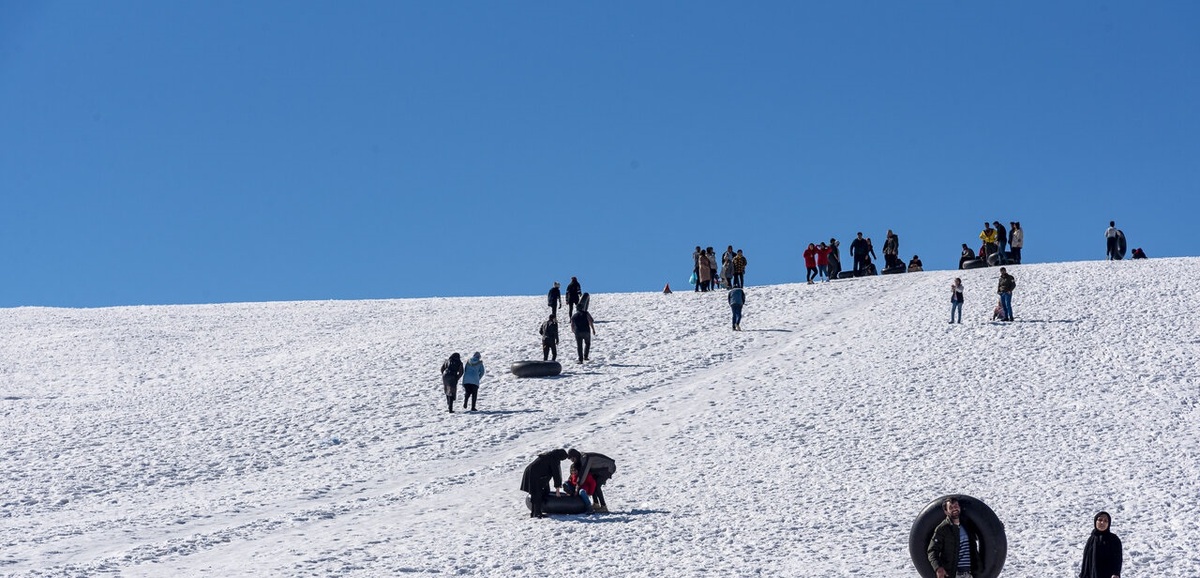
(954, 550)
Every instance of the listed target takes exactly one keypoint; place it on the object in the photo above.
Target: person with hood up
(472, 375)
(1102, 554)
(536, 480)
(452, 369)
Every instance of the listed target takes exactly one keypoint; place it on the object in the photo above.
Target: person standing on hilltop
(739, 269)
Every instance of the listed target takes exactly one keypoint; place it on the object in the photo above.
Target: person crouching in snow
(585, 489)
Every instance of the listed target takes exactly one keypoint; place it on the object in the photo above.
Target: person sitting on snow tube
(585, 489)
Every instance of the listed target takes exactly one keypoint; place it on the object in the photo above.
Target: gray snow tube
(846, 275)
(536, 368)
(563, 504)
(974, 264)
(993, 544)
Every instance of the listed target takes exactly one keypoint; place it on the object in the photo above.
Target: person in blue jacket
(472, 374)
(737, 298)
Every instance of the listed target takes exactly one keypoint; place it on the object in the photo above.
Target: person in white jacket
(472, 375)
(1016, 240)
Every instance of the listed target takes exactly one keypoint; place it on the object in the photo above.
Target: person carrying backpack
(452, 369)
(549, 333)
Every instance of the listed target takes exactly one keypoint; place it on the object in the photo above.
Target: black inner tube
(993, 544)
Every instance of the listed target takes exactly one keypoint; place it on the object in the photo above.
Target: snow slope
(311, 438)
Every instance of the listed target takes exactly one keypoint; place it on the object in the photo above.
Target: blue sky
(197, 152)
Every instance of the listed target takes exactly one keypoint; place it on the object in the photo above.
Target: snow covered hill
(311, 438)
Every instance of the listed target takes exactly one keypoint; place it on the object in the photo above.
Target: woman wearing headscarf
(1102, 554)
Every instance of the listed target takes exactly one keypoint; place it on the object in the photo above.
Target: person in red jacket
(810, 262)
(823, 252)
(585, 489)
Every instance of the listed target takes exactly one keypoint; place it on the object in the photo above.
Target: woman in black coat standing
(1102, 554)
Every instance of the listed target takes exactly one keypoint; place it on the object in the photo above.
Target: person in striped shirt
(954, 549)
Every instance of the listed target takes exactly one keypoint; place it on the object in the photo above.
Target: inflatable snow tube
(974, 264)
(1122, 246)
(993, 544)
(559, 504)
(894, 270)
(536, 368)
(845, 275)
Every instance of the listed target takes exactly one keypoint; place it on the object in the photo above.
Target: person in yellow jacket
(988, 236)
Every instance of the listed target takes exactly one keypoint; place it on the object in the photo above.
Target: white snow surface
(312, 438)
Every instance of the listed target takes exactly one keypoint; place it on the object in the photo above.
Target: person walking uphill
(954, 549)
(737, 298)
(549, 333)
(554, 299)
(1005, 288)
(536, 480)
(583, 327)
(573, 293)
(452, 369)
(1102, 556)
(472, 375)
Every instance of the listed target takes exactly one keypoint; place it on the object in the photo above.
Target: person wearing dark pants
(472, 375)
(600, 467)
(573, 293)
(737, 298)
(536, 480)
(452, 369)
(554, 299)
(583, 327)
(549, 333)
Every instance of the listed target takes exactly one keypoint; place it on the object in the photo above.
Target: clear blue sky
(195, 152)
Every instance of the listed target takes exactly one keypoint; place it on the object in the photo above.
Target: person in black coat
(600, 467)
(858, 252)
(536, 480)
(573, 293)
(554, 299)
(1102, 554)
(452, 370)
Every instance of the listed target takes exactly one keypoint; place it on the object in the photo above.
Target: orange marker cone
(667, 288)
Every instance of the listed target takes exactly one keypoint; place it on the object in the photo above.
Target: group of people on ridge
(705, 274)
(1000, 246)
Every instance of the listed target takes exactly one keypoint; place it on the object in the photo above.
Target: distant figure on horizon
(1110, 237)
(967, 255)
(1001, 243)
(737, 298)
(739, 269)
(823, 252)
(549, 333)
(703, 266)
(835, 258)
(714, 279)
(1005, 288)
(452, 369)
(554, 299)
(573, 293)
(858, 252)
(1139, 253)
(696, 265)
(583, 326)
(810, 263)
(1102, 556)
(988, 236)
(1016, 240)
(727, 267)
(891, 250)
(948, 554)
(956, 300)
(472, 374)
